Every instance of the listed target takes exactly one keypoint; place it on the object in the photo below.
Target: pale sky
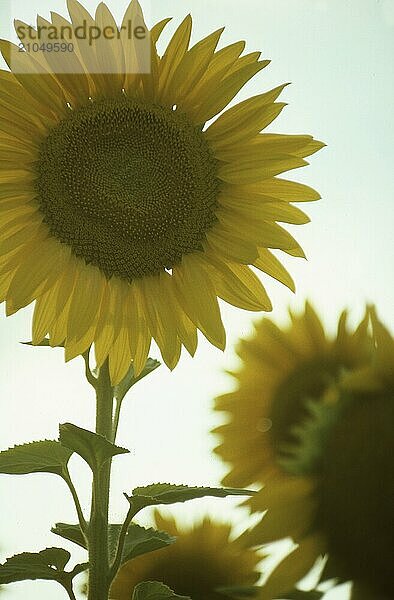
(338, 56)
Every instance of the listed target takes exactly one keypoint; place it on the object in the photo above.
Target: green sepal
(170, 493)
(129, 380)
(138, 540)
(303, 457)
(47, 564)
(154, 590)
(92, 447)
(46, 456)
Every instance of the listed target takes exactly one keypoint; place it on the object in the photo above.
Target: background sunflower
(343, 507)
(339, 92)
(281, 369)
(202, 560)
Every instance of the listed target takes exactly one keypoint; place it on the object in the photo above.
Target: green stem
(78, 507)
(99, 581)
(70, 592)
(88, 373)
(118, 406)
(122, 536)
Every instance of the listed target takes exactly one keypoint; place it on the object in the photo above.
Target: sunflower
(200, 561)
(344, 509)
(122, 214)
(281, 370)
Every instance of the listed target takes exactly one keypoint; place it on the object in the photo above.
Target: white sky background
(338, 56)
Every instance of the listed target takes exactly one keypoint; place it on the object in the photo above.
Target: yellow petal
(290, 516)
(36, 273)
(314, 326)
(239, 286)
(217, 69)
(158, 28)
(247, 118)
(191, 68)
(65, 288)
(8, 214)
(30, 232)
(109, 52)
(18, 127)
(291, 191)
(310, 148)
(140, 337)
(225, 241)
(275, 210)
(220, 97)
(44, 314)
(253, 170)
(293, 568)
(15, 93)
(120, 356)
(110, 318)
(269, 264)
(270, 145)
(258, 232)
(85, 50)
(5, 281)
(37, 81)
(65, 66)
(248, 59)
(160, 317)
(137, 52)
(174, 53)
(187, 331)
(85, 302)
(105, 331)
(199, 299)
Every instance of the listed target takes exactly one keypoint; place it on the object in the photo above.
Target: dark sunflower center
(356, 492)
(130, 187)
(289, 407)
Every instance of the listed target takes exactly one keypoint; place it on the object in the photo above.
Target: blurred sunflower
(121, 213)
(281, 370)
(343, 506)
(200, 561)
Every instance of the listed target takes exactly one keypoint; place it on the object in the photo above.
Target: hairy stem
(88, 373)
(122, 536)
(78, 507)
(99, 581)
(70, 592)
(115, 424)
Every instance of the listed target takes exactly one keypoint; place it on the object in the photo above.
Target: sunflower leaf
(46, 456)
(69, 532)
(138, 541)
(123, 387)
(169, 493)
(92, 447)
(47, 564)
(153, 590)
